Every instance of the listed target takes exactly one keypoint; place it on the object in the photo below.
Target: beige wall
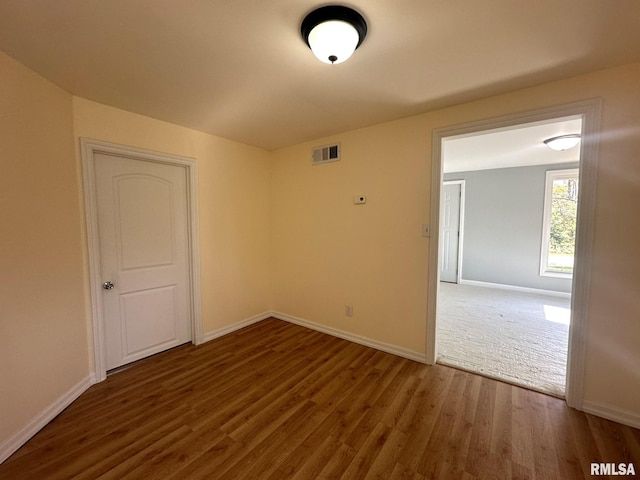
(234, 185)
(45, 327)
(43, 338)
(328, 252)
(277, 233)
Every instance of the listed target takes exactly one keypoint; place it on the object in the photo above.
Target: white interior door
(143, 234)
(450, 232)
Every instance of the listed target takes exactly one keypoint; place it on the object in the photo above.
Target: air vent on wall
(326, 154)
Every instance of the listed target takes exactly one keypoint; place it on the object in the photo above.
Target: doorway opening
(142, 234)
(486, 247)
(507, 317)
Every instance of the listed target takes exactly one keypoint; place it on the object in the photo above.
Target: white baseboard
(631, 419)
(367, 342)
(501, 286)
(234, 326)
(43, 418)
(10, 446)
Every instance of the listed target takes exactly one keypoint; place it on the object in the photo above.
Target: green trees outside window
(562, 234)
(560, 219)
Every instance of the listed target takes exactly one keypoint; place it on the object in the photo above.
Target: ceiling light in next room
(333, 32)
(563, 142)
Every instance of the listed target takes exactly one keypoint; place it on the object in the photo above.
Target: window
(559, 225)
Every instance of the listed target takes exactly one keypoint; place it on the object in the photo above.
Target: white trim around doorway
(589, 111)
(89, 148)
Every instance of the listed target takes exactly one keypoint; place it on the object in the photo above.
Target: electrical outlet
(348, 310)
(359, 200)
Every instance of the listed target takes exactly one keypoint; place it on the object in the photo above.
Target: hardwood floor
(278, 401)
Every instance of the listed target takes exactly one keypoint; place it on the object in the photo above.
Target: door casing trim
(89, 148)
(590, 112)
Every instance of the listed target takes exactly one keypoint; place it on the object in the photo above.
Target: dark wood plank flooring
(277, 401)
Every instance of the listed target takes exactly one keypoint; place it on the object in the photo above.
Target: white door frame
(589, 111)
(89, 148)
(460, 226)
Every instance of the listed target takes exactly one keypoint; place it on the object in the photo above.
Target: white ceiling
(240, 69)
(516, 146)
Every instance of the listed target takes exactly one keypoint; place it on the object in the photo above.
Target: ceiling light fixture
(563, 142)
(333, 32)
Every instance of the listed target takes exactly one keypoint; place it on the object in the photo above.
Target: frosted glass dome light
(333, 41)
(333, 32)
(563, 142)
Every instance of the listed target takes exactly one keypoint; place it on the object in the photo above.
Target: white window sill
(568, 276)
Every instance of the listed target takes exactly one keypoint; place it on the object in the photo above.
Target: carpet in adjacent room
(520, 338)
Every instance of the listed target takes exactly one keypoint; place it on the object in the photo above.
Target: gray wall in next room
(503, 226)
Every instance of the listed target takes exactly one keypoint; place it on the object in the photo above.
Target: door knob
(107, 286)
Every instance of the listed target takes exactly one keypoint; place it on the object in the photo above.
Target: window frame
(550, 177)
